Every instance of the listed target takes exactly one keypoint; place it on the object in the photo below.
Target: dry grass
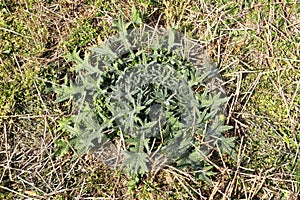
(256, 46)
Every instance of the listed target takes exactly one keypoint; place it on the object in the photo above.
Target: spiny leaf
(204, 174)
(227, 145)
(136, 162)
(105, 50)
(120, 25)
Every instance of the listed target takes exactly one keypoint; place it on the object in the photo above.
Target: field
(256, 45)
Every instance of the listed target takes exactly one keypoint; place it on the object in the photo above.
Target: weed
(255, 45)
(144, 99)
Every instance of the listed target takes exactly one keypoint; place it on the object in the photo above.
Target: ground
(255, 45)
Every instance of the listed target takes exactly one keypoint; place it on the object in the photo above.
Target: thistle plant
(146, 98)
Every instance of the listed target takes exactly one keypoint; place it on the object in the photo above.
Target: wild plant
(147, 98)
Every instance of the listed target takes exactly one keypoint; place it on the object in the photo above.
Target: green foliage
(248, 37)
(136, 16)
(20, 47)
(62, 148)
(144, 93)
(83, 34)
